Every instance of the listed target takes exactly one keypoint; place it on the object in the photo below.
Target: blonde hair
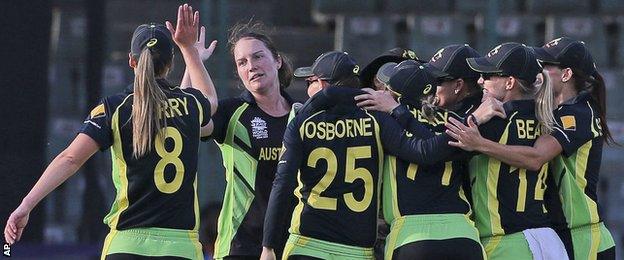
(147, 111)
(545, 105)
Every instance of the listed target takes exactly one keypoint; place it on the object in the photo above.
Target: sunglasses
(310, 80)
(445, 79)
(488, 76)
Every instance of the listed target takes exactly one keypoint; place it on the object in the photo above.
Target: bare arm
(204, 54)
(207, 129)
(532, 158)
(60, 169)
(185, 36)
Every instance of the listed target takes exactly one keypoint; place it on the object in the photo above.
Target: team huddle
(463, 155)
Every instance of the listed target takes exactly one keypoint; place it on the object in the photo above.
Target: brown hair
(147, 117)
(596, 87)
(257, 31)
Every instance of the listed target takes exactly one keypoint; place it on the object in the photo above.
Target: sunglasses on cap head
(487, 76)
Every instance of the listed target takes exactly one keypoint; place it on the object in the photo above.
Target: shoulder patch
(568, 122)
(98, 111)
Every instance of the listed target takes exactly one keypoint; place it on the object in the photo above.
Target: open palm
(184, 33)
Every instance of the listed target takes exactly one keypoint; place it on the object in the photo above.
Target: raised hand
(184, 33)
(200, 45)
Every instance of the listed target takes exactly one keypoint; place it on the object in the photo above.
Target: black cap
(330, 66)
(510, 58)
(393, 55)
(386, 72)
(154, 36)
(413, 82)
(451, 60)
(567, 52)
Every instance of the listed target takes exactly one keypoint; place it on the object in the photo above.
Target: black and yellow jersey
(331, 161)
(412, 189)
(507, 199)
(576, 170)
(250, 141)
(158, 189)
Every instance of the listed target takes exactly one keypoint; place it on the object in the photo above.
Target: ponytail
(147, 115)
(545, 105)
(595, 85)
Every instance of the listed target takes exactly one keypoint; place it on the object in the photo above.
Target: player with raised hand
(153, 130)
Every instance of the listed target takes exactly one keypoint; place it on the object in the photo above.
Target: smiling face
(256, 66)
(494, 86)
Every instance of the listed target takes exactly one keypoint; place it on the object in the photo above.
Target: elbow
(534, 167)
(70, 160)
(535, 164)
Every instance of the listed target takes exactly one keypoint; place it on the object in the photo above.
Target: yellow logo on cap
(356, 69)
(427, 89)
(409, 54)
(152, 42)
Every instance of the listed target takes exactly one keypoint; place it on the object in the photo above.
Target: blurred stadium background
(61, 56)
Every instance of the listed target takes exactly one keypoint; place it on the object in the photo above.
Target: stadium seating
(429, 33)
(611, 7)
(564, 7)
(588, 29)
(418, 7)
(367, 36)
(332, 7)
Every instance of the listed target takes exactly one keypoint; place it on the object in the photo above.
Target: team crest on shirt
(98, 111)
(259, 128)
(568, 122)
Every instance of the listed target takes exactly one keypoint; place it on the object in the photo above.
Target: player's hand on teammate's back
(467, 136)
(184, 33)
(200, 45)
(15, 225)
(376, 100)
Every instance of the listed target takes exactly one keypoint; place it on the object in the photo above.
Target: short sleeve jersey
(411, 189)
(250, 141)
(576, 170)
(508, 199)
(158, 189)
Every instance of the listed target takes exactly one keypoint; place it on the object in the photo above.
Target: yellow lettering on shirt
(269, 153)
(527, 129)
(345, 128)
(175, 107)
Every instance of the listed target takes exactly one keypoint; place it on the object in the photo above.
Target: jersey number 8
(351, 174)
(169, 157)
